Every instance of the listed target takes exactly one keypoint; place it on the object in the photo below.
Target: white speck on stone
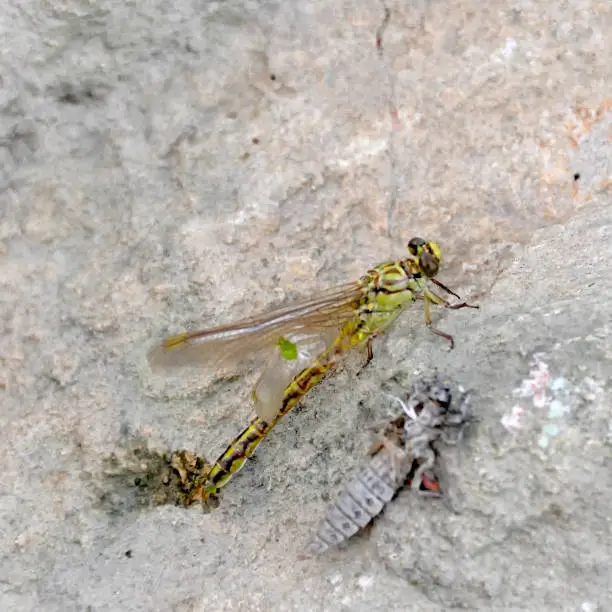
(591, 389)
(543, 442)
(540, 399)
(336, 579)
(506, 52)
(361, 150)
(512, 421)
(558, 384)
(365, 582)
(526, 389)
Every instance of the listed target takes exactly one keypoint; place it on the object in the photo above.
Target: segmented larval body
(403, 451)
(364, 497)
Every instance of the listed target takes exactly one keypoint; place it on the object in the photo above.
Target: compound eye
(415, 245)
(429, 264)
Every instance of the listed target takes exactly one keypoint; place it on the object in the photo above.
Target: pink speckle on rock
(513, 421)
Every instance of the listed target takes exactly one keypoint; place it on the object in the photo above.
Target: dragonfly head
(427, 256)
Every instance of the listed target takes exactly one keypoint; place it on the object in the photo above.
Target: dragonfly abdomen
(235, 455)
(301, 384)
(245, 444)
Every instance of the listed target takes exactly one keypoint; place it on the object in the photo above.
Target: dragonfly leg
(462, 305)
(451, 292)
(445, 288)
(369, 354)
(429, 297)
(437, 299)
(370, 351)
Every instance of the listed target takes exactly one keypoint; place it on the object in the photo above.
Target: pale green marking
(550, 429)
(288, 349)
(557, 409)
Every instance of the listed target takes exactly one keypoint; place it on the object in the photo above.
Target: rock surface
(171, 165)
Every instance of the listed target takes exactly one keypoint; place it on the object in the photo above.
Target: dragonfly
(403, 454)
(308, 338)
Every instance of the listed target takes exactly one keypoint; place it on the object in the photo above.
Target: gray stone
(176, 165)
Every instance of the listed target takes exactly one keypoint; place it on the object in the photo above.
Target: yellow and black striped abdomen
(244, 445)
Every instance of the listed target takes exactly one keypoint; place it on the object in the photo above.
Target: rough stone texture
(168, 165)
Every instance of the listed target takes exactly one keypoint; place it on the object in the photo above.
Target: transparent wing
(279, 372)
(233, 343)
